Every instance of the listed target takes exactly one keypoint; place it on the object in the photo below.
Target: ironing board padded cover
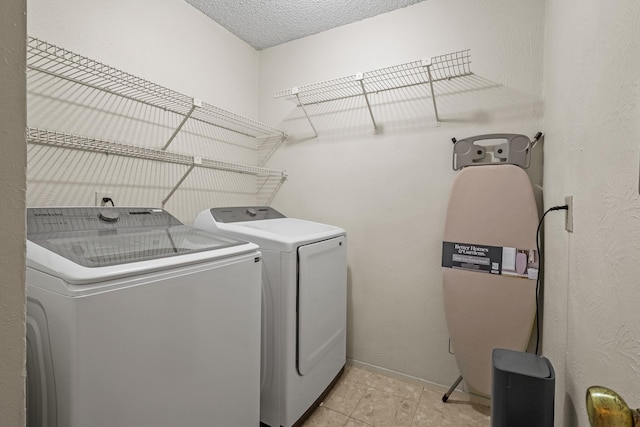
(489, 205)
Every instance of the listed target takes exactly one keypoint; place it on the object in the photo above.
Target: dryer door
(322, 300)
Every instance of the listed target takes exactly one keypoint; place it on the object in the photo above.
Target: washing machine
(135, 320)
(304, 306)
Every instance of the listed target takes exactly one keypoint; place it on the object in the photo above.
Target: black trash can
(522, 390)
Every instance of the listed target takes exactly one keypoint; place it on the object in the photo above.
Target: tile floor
(363, 398)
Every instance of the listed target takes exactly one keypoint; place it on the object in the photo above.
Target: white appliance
(304, 305)
(135, 320)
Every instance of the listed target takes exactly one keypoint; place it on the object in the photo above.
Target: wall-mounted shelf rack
(52, 60)
(59, 62)
(425, 72)
(65, 140)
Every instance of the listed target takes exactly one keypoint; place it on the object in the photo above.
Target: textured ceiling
(266, 23)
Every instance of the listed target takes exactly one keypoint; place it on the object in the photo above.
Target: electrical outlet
(568, 219)
(101, 195)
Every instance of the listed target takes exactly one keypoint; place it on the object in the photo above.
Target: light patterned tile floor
(362, 398)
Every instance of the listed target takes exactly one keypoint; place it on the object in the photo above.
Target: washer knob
(109, 216)
(252, 212)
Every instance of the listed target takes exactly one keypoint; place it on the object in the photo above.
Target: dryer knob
(252, 212)
(109, 216)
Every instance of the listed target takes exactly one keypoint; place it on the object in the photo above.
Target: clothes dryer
(134, 320)
(304, 305)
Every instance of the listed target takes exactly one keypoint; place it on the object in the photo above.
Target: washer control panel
(75, 219)
(244, 213)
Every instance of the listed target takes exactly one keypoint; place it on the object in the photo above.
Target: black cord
(540, 270)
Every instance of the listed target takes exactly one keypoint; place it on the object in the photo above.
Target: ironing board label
(491, 259)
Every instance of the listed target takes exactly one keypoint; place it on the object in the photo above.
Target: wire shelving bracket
(295, 92)
(360, 78)
(196, 103)
(438, 68)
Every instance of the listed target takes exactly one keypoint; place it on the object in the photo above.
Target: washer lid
(276, 232)
(101, 237)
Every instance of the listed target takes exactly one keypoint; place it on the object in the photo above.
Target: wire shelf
(443, 67)
(65, 140)
(439, 68)
(47, 58)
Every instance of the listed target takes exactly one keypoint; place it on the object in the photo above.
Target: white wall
(592, 111)
(13, 164)
(389, 191)
(169, 43)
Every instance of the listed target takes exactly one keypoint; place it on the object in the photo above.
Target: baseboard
(475, 398)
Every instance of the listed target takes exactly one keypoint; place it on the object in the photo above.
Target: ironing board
(489, 267)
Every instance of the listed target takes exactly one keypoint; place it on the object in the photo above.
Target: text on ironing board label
(506, 261)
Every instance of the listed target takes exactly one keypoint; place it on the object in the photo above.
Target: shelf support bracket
(295, 91)
(427, 64)
(196, 103)
(281, 181)
(360, 78)
(268, 147)
(196, 161)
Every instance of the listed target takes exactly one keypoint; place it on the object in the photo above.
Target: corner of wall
(12, 210)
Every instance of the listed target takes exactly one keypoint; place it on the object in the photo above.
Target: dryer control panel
(245, 213)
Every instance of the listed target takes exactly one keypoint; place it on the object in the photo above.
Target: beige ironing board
(489, 205)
